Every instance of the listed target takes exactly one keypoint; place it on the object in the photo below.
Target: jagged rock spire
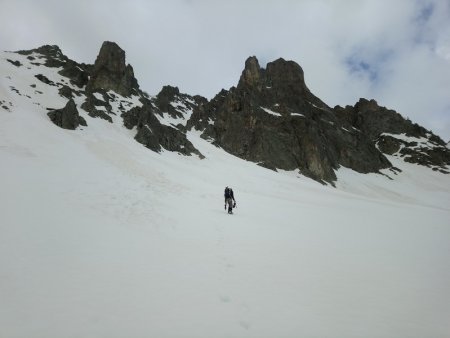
(110, 71)
(251, 74)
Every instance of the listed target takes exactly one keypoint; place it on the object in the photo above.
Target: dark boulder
(67, 117)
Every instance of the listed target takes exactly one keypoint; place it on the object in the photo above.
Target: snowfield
(101, 237)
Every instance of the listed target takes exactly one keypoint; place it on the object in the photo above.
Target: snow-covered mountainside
(270, 118)
(101, 236)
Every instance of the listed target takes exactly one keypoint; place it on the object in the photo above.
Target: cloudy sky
(397, 52)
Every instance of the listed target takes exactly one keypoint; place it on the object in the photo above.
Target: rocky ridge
(270, 117)
(394, 135)
(108, 89)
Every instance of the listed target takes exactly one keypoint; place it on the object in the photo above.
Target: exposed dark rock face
(372, 120)
(273, 119)
(395, 135)
(421, 151)
(77, 73)
(111, 73)
(154, 135)
(282, 81)
(67, 117)
(165, 97)
(177, 105)
(96, 107)
(203, 115)
(65, 91)
(50, 53)
(98, 83)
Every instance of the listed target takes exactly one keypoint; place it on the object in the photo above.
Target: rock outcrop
(67, 117)
(53, 57)
(154, 135)
(272, 118)
(395, 135)
(178, 106)
(97, 107)
(111, 73)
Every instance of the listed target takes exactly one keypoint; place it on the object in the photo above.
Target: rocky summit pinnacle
(111, 73)
(251, 74)
(273, 119)
(281, 80)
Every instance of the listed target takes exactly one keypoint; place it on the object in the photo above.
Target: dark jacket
(229, 194)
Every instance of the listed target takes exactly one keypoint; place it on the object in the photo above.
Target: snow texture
(297, 114)
(271, 112)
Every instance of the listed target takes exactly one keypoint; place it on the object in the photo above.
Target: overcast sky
(397, 52)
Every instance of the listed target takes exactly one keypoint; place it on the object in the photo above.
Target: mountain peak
(52, 55)
(251, 74)
(110, 71)
(286, 71)
(270, 117)
(367, 105)
(285, 77)
(252, 61)
(110, 56)
(48, 50)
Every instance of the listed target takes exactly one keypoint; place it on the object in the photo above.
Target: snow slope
(100, 237)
